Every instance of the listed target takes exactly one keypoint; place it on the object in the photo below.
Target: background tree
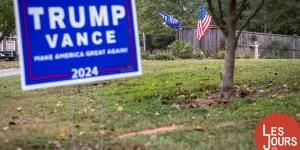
(150, 22)
(228, 26)
(7, 18)
(279, 17)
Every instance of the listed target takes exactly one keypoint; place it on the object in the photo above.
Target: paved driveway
(9, 72)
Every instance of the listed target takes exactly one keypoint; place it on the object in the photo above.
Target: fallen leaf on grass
(120, 108)
(279, 97)
(59, 104)
(81, 133)
(153, 84)
(193, 117)
(199, 128)
(64, 134)
(19, 108)
(273, 96)
(298, 115)
(147, 144)
(84, 117)
(5, 128)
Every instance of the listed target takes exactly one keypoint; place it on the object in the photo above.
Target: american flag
(203, 23)
(170, 20)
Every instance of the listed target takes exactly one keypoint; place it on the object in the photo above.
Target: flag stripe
(203, 23)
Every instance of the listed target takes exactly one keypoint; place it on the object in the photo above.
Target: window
(10, 45)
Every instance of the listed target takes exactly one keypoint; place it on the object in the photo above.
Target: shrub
(182, 50)
(198, 55)
(237, 56)
(163, 56)
(158, 56)
(270, 57)
(209, 54)
(220, 55)
(248, 56)
(145, 55)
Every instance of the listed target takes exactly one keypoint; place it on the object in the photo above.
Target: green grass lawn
(40, 119)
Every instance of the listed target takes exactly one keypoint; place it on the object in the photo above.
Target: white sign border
(76, 81)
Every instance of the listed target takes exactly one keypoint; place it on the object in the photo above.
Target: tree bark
(227, 75)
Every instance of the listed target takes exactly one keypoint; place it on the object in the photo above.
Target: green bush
(145, 55)
(182, 50)
(209, 54)
(237, 56)
(158, 56)
(271, 57)
(248, 56)
(164, 56)
(198, 55)
(221, 55)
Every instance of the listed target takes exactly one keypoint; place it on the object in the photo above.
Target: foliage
(198, 55)
(209, 54)
(182, 49)
(270, 57)
(221, 55)
(248, 56)
(157, 56)
(7, 18)
(279, 17)
(237, 56)
(275, 49)
(152, 24)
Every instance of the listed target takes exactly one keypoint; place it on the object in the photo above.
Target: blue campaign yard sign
(63, 42)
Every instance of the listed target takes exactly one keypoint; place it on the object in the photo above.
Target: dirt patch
(160, 130)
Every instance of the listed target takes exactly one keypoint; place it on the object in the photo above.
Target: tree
(150, 22)
(228, 28)
(279, 17)
(7, 19)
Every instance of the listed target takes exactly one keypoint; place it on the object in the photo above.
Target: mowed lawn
(41, 119)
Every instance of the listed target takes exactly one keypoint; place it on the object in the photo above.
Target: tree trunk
(227, 76)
